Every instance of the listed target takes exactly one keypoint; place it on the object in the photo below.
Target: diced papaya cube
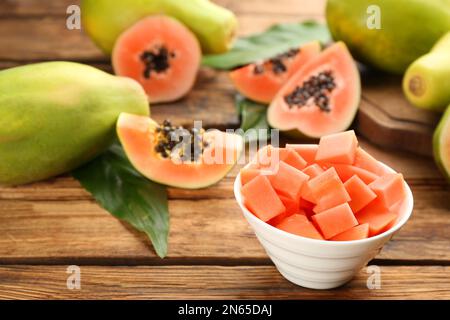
(309, 213)
(335, 220)
(346, 171)
(292, 205)
(313, 170)
(305, 204)
(247, 174)
(361, 195)
(291, 208)
(365, 161)
(306, 151)
(321, 183)
(328, 190)
(288, 181)
(377, 216)
(389, 188)
(298, 224)
(331, 200)
(268, 157)
(399, 207)
(275, 221)
(337, 148)
(391, 224)
(264, 158)
(307, 195)
(297, 218)
(292, 158)
(261, 199)
(356, 233)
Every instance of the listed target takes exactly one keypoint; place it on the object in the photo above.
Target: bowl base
(313, 284)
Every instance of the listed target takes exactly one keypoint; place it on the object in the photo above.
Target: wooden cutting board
(387, 119)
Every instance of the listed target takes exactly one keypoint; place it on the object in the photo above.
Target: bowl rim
(248, 215)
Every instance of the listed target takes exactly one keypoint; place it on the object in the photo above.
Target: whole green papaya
(407, 29)
(104, 20)
(55, 116)
(426, 83)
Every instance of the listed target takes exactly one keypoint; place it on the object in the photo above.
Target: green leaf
(127, 195)
(253, 116)
(277, 39)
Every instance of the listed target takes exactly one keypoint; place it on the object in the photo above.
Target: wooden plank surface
(57, 221)
(212, 282)
(42, 36)
(386, 118)
(214, 230)
(45, 26)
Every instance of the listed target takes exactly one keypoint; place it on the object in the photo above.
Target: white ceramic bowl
(319, 264)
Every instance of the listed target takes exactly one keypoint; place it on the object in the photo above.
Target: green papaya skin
(443, 43)
(426, 83)
(441, 144)
(409, 29)
(55, 116)
(105, 20)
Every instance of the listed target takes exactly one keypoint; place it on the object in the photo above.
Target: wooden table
(47, 226)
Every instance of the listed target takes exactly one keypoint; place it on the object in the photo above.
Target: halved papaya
(175, 156)
(321, 98)
(260, 81)
(161, 54)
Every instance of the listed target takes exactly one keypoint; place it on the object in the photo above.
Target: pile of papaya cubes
(331, 191)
